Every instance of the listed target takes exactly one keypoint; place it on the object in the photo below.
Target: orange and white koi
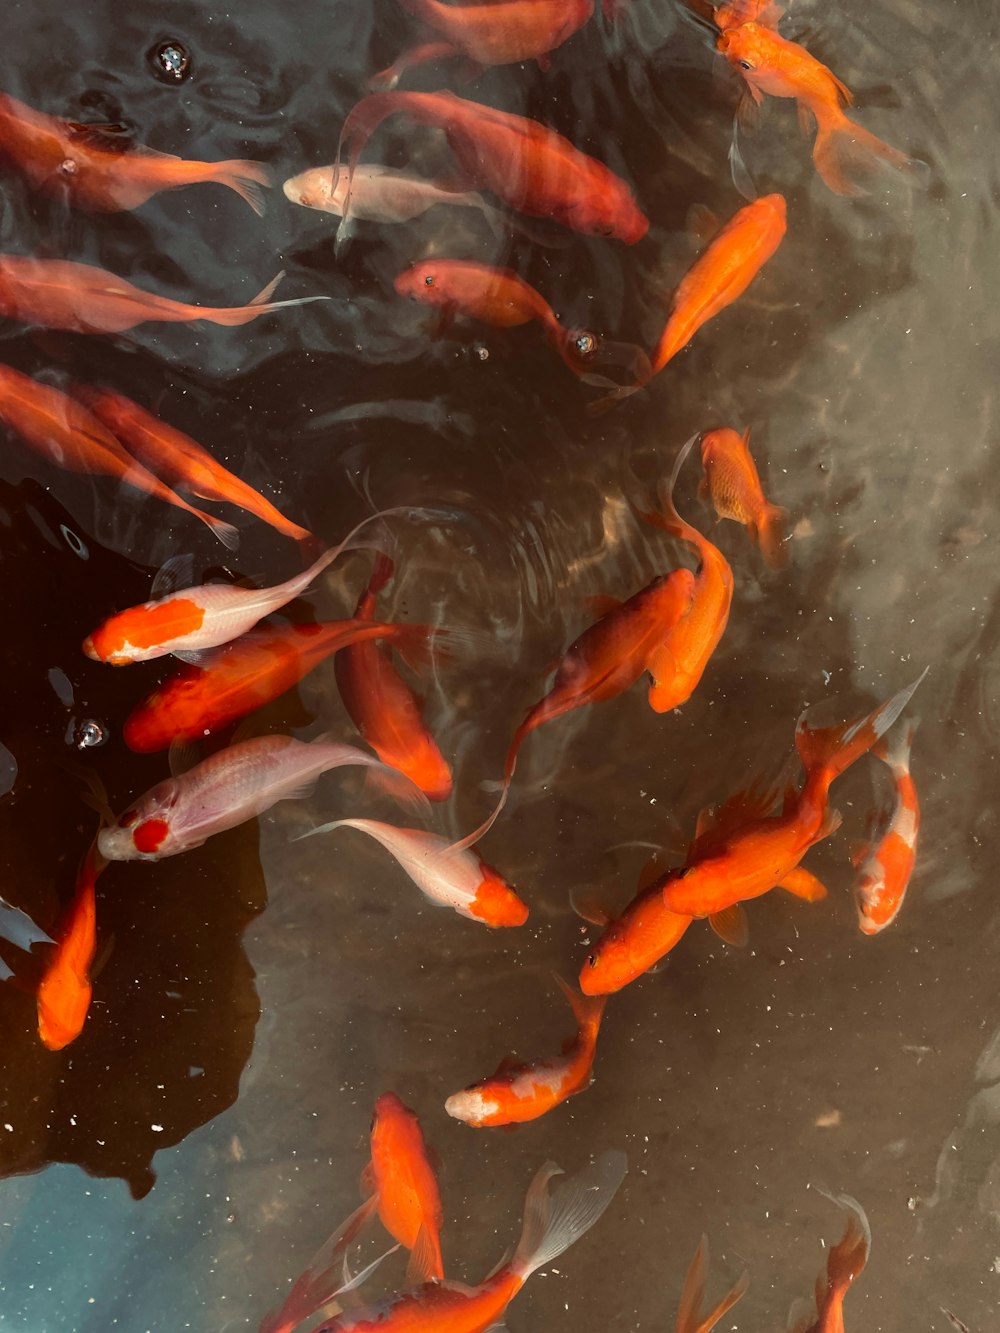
(96, 168)
(60, 294)
(520, 1092)
(844, 152)
(450, 876)
(177, 459)
(67, 434)
(732, 481)
(885, 867)
(846, 1261)
(383, 707)
(65, 990)
(188, 621)
(230, 787)
(498, 32)
(679, 661)
(550, 1227)
(692, 1317)
(401, 1177)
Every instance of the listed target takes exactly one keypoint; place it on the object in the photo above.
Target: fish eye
(591, 959)
(429, 280)
(371, 1127)
(745, 64)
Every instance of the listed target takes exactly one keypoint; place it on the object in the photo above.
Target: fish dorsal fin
(510, 1064)
(602, 604)
(653, 869)
(755, 801)
(175, 573)
(182, 756)
(587, 905)
(731, 925)
(423, 1259)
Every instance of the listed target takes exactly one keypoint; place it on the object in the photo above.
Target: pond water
(177, 1165)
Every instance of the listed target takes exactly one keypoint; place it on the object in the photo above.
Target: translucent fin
(246, 178)
(552, 1224)
(803, 884)
(586, 905)
(175, 573)
(17, 927)
(391, 782)
(738, 168)
(691, 1315)
(834, 749)
(800, 1316)
(847, 156)
(359, 1279)
(423, 1265)
(731, 925)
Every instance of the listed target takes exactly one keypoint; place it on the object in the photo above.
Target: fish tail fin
(553, 1223)
(529, 724)
(226, 533)
(587, 355)
(362, 121)
(587, 1009)
(691, 1318)
(391, 782)
(770, 534)
(668, 518)
(829, 751)
(895, 748)
(601, 406)
(246, 178)
(847, 155)
(849, 1256)
(232, 316)
(382, 571)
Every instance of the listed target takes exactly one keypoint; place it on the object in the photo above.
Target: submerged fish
(65, 990)
(844, 1265)
(93, 167)
(177, 459)
(230, 787)
(732, 481)
(60, 294)
(519, 1092)
(67, 434)
(844, 152)
(19, 929)
(527, 165)
(885, 866)
(733, 13)
(550, 1227)
(692, 1317)
(401, 1178)
(379, 194)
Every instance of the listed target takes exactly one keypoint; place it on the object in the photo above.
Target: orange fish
(845, 1263)
(886, 866)
(499, 32)
(92, 167)
(691, 1314)
(679, 662)
(400, 1175)
(734, 13)
(844, 153)
(528, 166)
(243, 676)
(177, 459)
(65, 433)
(519, 1092)
(65, 989)
(59, 294)
(383, 707)
(732, 481)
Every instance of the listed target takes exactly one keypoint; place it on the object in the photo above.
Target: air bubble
(480, 351)
(76, 544)
(88, 734)
(171, 61)
(585, 344)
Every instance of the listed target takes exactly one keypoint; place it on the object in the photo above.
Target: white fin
(177, 572)
(552, 1224)
(352, 1283)
(19, 928)
(5, 972)
(191, 656)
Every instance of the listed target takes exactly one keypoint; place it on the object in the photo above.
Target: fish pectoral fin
(192, 656)
(832, 821)
(803, 884)
(800, 1316)
(652, 870)
(368, 1185)
(423, 1259)
(510, 1064)
(177, 572)
(731, 925)
(806, 120)
(602, 604)
(859, 854)
(351, 1282)
(702, 223)
(182, 756)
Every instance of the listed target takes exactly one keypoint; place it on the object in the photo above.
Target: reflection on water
(254, 996)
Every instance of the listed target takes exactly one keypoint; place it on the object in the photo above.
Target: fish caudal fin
(847, 155)
(691, 1316)
(553, 1222)
(849, 1256)
(588, 356)
(226, 533)
(246, 178)
(832, 750)
(587, 1009)
(770, 534)
(389, 781)
(895, 748)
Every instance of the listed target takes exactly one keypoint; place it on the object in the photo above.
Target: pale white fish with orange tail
(886, 865)
(232, 786)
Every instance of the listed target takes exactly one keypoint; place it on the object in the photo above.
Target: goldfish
(178, 460)
(226, 684)
(19, 929)
(732, 481)
(95, 169)
(886, 866)
(530, 167)
(401, 1177)
(230, 787)
(843, 150)
(379, 194)
(450, 876)
(383, 707)
(188, 621)
(67, 434)
(519, 1092)
(550, 1227)
(680, 659)
(691, 1315)
(736, 12)
(65, 990)
(846, 1261)
(499, 32)
(60, 294)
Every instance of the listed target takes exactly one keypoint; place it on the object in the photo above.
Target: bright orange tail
(828, 751)
(847, 156)
(770, 533)
(848, 1257)
(246, 178)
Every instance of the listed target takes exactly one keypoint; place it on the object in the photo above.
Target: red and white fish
(550, 1227)
(401, 1177)
(67, 434)
(524, 163)
(450, 876)
(520, 1092)
(692, 1317)
(845, 1263)
(230, 787)
(885, 866)
(95, 168)
(65, 990)
(60, 294)
(177, 459)
(732, 481)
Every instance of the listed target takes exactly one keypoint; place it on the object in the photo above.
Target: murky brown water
(258, 993)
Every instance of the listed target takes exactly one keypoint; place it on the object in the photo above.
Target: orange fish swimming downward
(844, 152)
(519, 1092)
(885, 866)
(732, 481)
(401, 1177)
(692, 1317)
(846, 1262)
(93, 167)
(65, 990)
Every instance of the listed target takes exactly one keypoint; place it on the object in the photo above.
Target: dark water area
(177, 1166)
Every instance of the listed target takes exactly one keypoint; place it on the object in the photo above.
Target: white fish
(380, 194)
(460, 879)
(230, 787)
